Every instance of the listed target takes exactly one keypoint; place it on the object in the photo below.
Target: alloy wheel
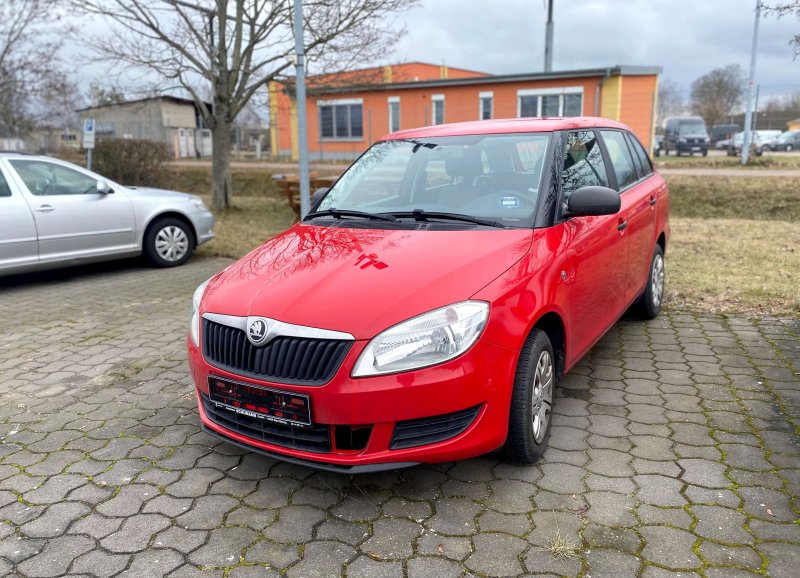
(542, 395)
(657, 282)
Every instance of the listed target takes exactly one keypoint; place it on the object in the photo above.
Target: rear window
(638, 150)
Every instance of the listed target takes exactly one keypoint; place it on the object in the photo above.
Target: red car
(427, 307)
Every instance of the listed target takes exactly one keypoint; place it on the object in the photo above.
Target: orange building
(348, 112)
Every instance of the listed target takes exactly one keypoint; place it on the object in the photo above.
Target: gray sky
(687, 37)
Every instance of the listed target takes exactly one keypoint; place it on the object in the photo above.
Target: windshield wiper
(420, 215)
(339, 213)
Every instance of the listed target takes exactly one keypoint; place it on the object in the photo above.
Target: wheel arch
(167, 215)
(552, 324)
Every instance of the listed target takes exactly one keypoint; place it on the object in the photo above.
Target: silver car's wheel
(168, 242)
(171, 243)
(542, 395)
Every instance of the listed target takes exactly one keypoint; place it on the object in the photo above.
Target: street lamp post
(300, 95)
(751, 82)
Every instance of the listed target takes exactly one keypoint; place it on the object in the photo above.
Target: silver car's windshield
(490, 177)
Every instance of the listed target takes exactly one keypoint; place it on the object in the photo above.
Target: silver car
(54, 213)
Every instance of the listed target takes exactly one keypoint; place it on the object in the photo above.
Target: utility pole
(300, 94)
(751, 82)
(548, 39)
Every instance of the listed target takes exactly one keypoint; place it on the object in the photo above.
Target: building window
(341, 120)
(437, 101)
(567, 101)
(394, 113)
(103, 127)
(487, 105)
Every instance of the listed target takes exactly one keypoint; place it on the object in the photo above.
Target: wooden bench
(289, 185)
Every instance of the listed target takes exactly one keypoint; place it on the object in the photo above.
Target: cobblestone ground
(674, 449)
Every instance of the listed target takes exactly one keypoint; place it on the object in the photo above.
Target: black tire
(705, 153)
(648, 306)
(524, 445)
(167, 228)
(789, 148)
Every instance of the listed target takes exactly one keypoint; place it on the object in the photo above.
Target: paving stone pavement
(674, 452)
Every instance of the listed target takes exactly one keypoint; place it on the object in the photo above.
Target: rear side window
(620, 157)
(639, 152)
(583, 163)
(5, 190)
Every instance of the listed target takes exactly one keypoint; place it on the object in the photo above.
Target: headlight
(194, 329)
(681, 140)
(427, 339)
(705, 139)
(198, 202)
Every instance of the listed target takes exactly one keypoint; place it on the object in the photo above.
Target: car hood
(150, 192)
(362, 281)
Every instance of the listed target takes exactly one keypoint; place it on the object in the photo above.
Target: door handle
(622, 224)
(44, 209)
(653, 200)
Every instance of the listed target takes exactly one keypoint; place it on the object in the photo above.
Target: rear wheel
(789, 148)
(531, 401)
(649, 303)
(168, 242)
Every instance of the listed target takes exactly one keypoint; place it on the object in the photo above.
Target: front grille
(314, 438)
(296, 360)
(428, 430)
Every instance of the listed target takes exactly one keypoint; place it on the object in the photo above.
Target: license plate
(273, 405)
(695, 148)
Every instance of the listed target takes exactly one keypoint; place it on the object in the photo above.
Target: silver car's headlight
(198, 202)
(194, 328)
(427, 339)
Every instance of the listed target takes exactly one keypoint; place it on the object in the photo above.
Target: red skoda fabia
(427, 307)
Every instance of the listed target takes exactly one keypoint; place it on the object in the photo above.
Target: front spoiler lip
(358, 469)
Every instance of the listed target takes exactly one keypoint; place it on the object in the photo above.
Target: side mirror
(318, 196)
(592, 202)
(103, 188)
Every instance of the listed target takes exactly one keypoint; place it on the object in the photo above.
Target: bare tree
(56, 108)
(670, 99)
(716, 93)
(26, 61)
(104, 95)
(236, 47)
(786, 9)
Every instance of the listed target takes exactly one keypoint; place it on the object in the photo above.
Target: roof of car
(506, 126)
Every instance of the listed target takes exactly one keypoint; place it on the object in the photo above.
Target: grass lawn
(767, 161)
(735, 245)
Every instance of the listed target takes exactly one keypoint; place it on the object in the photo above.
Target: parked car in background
(759, 143)
(723, 144)
(685, 134)
(787, 141)
(54, 213)
(427, 307)
(721, 133)
(767, 140)
(658, 145)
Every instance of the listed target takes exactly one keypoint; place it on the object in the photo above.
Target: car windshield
(692, 128)
(495, 178)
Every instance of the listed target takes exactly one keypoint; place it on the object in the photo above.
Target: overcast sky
(686, 37)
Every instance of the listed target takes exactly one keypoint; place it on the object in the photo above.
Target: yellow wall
(611, 98)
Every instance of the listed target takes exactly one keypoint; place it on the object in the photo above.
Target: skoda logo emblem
(258, 331)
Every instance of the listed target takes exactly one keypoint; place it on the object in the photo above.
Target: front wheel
(531, 401)
(788, 148)
(168, 242)
(649, 303)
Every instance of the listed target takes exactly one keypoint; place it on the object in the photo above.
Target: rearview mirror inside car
(593, 201)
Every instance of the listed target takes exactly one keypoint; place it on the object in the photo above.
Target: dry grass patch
(250, 222)
(767, 161)
(735, 266)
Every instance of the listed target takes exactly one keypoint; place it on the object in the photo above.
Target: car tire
(648, 306)
(530, 417)
(168, 242)
(705, 153)
(789, 148)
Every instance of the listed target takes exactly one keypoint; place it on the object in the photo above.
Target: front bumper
(482, 377)
(691, 147)
(203, 222)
